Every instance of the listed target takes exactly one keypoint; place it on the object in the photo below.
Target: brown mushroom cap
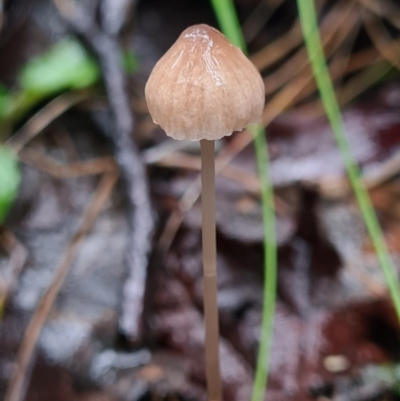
(204, 87)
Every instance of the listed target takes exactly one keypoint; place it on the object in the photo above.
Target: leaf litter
(335, 331)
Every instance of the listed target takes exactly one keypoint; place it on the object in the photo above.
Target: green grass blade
(227, 17)
(317, 60)
(10, 178)
(229, 22)
(270, 266)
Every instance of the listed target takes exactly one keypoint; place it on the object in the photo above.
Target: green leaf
(9, 181)
(3, 91)
(4, 101)
(129, 62)
(64, 66)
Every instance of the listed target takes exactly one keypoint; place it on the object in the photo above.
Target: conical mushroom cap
(204, 87)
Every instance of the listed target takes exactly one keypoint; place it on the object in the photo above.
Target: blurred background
(100, 241)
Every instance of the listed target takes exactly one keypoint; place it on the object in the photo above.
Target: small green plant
(65, 66)
(9, 181)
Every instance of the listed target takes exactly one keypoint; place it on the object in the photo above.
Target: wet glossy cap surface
(204, 87)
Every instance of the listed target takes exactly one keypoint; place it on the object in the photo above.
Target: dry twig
(20, 377)
(388, 48)
(384, 9)
(52, 167)
(44, 117)
(259, 18)
(332, 36)
(17, 258)
(106, 47)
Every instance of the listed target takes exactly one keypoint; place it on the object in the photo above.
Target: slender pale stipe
(210, 270)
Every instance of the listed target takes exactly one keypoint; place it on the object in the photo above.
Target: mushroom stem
(210, 271)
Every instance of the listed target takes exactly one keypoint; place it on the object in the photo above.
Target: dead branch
(20, 376)
(106, 48)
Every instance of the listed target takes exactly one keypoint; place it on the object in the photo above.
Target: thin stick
(210, 271)
(20, 377)
(48, 165)
(44, 117)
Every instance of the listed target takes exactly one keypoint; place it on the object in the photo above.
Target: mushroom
(203, 89)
